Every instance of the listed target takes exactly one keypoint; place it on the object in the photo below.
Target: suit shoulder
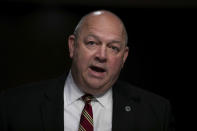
(34, 89)
(141, 94)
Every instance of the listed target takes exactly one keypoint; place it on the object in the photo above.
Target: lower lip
(95, 74)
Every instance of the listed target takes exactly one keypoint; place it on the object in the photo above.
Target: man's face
(98, 55)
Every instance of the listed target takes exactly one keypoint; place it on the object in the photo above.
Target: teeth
(97, 69)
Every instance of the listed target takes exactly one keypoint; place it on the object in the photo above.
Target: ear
(125, 55)
(71, 45)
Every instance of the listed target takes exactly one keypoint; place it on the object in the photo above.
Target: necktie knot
(87, 98)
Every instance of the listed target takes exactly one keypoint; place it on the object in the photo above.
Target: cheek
(115, 65)
(83, 59)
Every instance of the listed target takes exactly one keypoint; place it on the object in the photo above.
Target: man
(98, 48)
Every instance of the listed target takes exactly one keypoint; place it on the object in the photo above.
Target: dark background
(161, 38)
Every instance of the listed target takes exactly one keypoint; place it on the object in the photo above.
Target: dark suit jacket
(39, 107)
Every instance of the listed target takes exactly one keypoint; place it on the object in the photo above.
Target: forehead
(104, 26)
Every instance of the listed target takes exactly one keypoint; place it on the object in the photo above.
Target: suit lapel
(52, 106)
(124, 107)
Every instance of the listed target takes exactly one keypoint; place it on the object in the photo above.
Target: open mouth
(97, 69)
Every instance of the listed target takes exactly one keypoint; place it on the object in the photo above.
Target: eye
(91, 43)
(114, 48)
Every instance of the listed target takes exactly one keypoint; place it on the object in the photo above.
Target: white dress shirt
(73, 106)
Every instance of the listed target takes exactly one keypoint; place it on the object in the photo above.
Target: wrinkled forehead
(103, 18)
(104, 23)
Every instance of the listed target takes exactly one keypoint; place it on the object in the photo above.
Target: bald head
(107, 17)
(98, 50)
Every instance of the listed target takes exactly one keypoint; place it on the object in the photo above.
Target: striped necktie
(86, 121)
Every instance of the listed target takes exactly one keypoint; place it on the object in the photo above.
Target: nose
(101, 54)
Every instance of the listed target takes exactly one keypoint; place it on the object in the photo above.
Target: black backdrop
(34, 46)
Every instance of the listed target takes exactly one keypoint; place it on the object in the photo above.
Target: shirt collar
(72, 93)
(105, 99)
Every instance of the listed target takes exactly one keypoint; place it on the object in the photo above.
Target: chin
(97, 89)
(95, 86)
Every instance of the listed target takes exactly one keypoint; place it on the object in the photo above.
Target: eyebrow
(115, 41)
(97, 38)
(91, 35)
